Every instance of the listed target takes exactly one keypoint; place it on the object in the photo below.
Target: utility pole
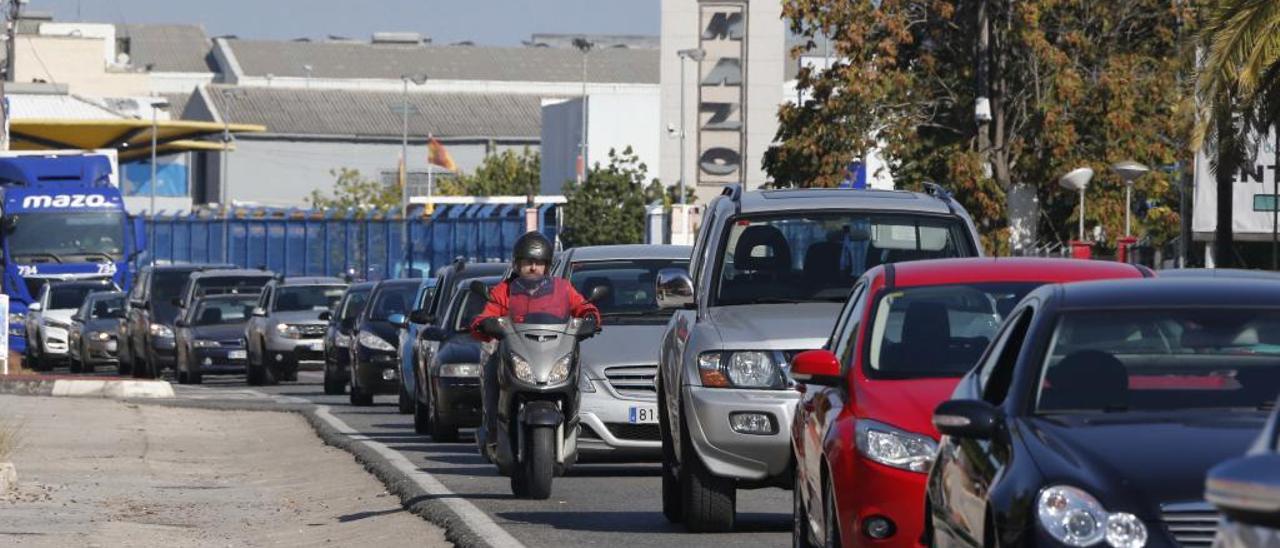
(11, 35)
(584, 46)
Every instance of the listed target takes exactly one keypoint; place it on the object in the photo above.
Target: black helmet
(533, 246)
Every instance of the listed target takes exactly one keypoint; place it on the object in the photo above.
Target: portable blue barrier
(308, 242)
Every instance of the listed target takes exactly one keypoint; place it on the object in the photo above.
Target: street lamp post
(307, 69)
(1078, 180)
(223, 192)
(1128, 170)
(697, 55)
(155, 125)
(584, 46)
(417, 79)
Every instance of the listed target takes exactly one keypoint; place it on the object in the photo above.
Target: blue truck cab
(61, 218)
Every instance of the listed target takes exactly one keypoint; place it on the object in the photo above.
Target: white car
(49, 318)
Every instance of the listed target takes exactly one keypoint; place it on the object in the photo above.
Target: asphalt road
(595, 505)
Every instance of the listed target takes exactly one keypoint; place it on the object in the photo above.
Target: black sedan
(210, 336)
(450, 397)
(375, 363)
(94, 336)
(1247, 491)
(1097, 410)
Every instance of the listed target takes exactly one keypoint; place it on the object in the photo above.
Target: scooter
(537, 377)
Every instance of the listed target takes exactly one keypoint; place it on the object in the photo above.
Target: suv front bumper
(294, 351)
(733, 454)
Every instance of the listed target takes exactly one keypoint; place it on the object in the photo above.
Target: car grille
(231, 342)
(635, 381)
(634, 432)
(1192, 524)
(588, 433)
(312, 330)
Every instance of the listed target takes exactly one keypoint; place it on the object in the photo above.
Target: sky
(487, 22)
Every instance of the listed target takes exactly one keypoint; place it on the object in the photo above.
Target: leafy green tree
(609, 207)
(352, 190)
(507, 173)
(1069, 84)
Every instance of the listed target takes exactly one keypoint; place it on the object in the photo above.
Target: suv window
(306, 297)
(354, 304)
(72, 296)
(229, 285)
(816, 256)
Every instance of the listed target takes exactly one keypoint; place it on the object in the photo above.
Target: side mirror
(259, 311)
(326, 316)
(974, 419)
(674, 289)
(420, 316)
(398, 320)
(176, 301)
(1247, 489)
(34, 307)
(433, 333)
(477, 287)
(817, 367)
(598, 293)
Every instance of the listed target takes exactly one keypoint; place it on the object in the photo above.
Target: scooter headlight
(560, 371)
(521, 368)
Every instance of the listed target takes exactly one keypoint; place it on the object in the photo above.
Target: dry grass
(10, 437)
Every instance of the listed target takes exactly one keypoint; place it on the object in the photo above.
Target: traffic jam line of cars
(853, 347)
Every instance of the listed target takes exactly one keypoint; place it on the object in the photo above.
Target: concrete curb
(26, 386)
(89, 388)
(412, 497)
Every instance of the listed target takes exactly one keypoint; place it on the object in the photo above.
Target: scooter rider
(528, 292)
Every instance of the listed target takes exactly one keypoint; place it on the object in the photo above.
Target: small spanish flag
(438, 155)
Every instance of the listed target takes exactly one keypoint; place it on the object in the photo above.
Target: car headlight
(374, 342)
(204, 343)
(56, 323)
(342, 341)
(742, 369)
(288, 331)
(560, 370)
(520, 367)
(99, 335)
(895, 447)
(1075, 518)
(161, 331)
(460, 370)
(17, 319)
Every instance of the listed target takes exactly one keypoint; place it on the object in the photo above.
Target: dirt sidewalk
(96, 472)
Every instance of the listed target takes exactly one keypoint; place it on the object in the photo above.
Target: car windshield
(1163, 359)
(630, 284)
(937, 331)
(392, 299)
(71, 296)
(355, 304)
(806, 257)
(230, 285)
(224, 311)
(107, 307)
(67, 237)
(466, 306)
(307, 297)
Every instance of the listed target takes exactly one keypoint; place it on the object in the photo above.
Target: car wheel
(124, 366)
(404, 402)
(441, 430)
(710, 501)
(74, 364)
(421, 418)
(253, 368)
(672, 497)
(195, 377)
(801, 534)
(358, 397)
(331, 385)
(830, 520)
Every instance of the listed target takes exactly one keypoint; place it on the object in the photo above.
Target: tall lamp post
(1078, 180)
(228, 95)
(584, 46)
(155, 126)
(417, 79)
(696, 55)
(1128, 170)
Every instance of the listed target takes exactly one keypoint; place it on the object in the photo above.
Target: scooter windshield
(542, 301)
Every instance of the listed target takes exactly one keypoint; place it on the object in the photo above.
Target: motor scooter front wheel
(532, 478)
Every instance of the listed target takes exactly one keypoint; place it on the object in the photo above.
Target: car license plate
(236, 355)
(317, 346)
(643, 415)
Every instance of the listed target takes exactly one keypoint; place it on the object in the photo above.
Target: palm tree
(1238, 90)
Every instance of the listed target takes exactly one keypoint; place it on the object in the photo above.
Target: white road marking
(476, 519)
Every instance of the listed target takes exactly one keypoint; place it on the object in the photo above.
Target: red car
(862, 436)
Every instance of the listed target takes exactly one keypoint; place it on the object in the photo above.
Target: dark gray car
(94, 336)
(210, 337)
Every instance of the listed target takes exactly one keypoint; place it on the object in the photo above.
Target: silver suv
(769, 273)
(286, 328)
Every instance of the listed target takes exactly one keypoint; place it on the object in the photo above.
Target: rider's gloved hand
(491, 327)
(590, 322)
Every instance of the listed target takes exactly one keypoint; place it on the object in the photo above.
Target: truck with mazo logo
(62, 217)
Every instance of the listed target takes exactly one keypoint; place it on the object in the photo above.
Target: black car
(94, 336)
(450, 396)
(339, 336)
(375, 364)
(210, 336)
(1247, 491)
(149, 346)
(1097, 410)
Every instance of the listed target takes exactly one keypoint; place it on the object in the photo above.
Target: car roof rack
(938, 191)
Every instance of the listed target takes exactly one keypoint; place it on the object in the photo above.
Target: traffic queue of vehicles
(851, 346)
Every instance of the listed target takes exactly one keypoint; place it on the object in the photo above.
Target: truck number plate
(643, 415)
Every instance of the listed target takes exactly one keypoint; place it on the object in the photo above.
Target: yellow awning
(130, 136)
